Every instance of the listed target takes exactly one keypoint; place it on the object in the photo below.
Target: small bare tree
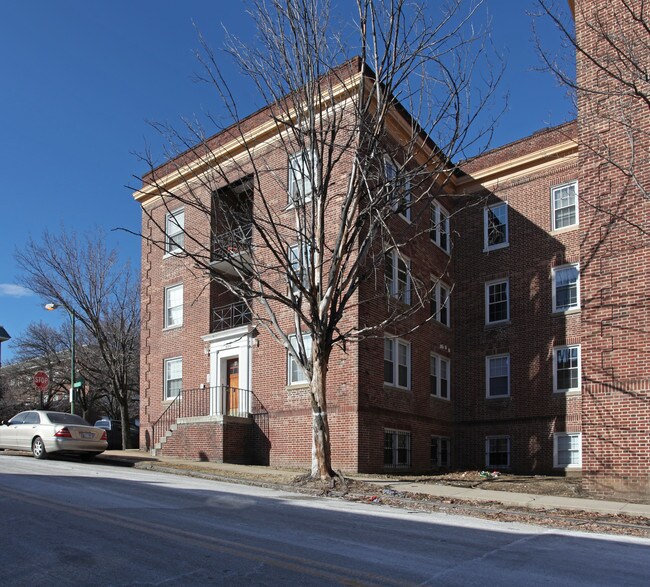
(86, 278)
(357, 161)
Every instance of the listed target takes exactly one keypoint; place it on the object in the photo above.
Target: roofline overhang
(564, 152)
(155, 187)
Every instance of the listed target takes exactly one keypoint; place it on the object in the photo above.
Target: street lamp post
(4, 337)
(51, 307)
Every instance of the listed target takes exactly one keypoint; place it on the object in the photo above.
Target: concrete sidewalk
(284, 477)
(527, 500)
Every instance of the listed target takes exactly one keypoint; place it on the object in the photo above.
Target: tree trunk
(321, 461)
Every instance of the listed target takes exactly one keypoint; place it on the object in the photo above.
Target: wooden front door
(232, 370)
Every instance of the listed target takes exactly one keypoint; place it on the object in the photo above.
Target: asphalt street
(68, 522)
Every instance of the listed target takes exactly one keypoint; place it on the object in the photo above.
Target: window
(397, 449)
(440, 303)
(497, 451)
(173, 306)
(399, 190)
(567, 449)
(566, 368)
(440, 452)
(303, 170)
(32, 418)
(174, 232)
(497, 306)
(18, 419)
(440, 376)
(295, 372)
(398, 276)
(397, 362)
(440, 227)
(564, 203)
(566, 288)
(299, 260)
(173, 377)
(497, 369)
(495, 226)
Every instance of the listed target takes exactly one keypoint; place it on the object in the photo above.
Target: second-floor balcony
(230, 316)
(232, 248)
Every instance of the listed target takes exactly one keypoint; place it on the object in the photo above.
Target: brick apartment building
(536, 359)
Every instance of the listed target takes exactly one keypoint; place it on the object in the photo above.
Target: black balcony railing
(232, 242)
(230, 316)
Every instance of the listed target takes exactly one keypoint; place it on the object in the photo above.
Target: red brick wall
(157, 343)
(532, 412)
(615, 253)
(382, 406)
(221, 442)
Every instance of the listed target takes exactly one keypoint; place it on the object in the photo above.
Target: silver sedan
(43, 432)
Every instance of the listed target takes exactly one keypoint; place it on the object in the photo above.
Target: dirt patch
(535, 484)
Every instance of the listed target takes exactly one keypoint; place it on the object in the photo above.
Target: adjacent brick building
(535, 358)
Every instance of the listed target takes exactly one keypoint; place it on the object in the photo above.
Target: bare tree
(42, 347)
(611, 83)
(358, 161)
(86, 278)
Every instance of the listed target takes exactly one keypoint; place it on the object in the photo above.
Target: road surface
(67, 522)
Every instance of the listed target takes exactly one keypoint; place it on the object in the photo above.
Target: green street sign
(79, 383)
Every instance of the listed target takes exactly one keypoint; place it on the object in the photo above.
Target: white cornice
(561, 153)
(235, 146)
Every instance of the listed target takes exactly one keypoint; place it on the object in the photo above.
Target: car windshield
(61, 418)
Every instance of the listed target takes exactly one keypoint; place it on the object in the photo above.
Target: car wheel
(38, 448)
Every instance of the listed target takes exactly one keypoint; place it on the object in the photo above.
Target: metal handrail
(196, 402)
(188, 403)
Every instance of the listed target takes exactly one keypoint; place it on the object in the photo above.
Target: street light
(4, 337)
(49, 308)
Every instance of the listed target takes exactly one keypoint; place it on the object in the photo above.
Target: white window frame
(168, 308)
(488, 361)
(396, 434)
(291, 361)
(439, 301)
(556, 452)
(488, 439)
(440, 227)
(439, 450)
(488, 285)
(486, 227)
(397, 288)
(557, 349)
(167, 363)
(554, 272)
(298, 171)
(436, 370)
(298, 256)
(174, 227)
(395, 345)
(554, 210)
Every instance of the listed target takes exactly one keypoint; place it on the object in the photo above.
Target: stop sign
(41, 380)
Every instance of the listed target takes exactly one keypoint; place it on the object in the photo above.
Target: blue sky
(81, 79)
